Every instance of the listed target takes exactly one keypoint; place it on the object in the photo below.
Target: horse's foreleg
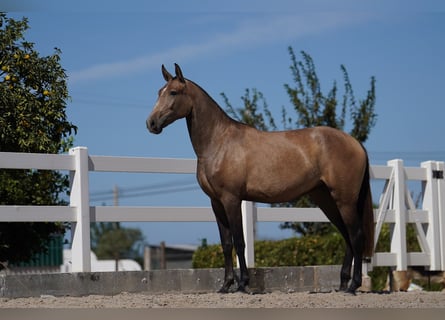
(227, 245)
(236, 226)
(244, 273)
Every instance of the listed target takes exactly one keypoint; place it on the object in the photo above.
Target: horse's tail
(364, 206)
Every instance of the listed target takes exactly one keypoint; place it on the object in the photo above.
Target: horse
(237, 162)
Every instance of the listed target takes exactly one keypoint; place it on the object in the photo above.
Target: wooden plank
(42, 161)
(142, 165)
(412, 217)
(379, 172)
(418, 259)
(291, 215)
(382, 259)
(151, 214)
(37, 213)
(414, 173)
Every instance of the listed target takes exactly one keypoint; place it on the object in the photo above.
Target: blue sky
(113, 52)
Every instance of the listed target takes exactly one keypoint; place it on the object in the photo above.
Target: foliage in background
(33, 95)
(111, 241)
(311, 107)
(304, 251)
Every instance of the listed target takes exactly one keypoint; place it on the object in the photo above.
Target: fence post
(440, 166)
(431, 203)
(79, 198)
(398, 239)
(248, 211)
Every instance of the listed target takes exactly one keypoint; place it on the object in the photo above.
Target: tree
(250, 113)
(33, 95)
(312, 107)
(111, 241)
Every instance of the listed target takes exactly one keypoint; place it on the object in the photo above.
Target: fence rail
(396, 207)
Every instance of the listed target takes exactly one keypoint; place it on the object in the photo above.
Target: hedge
(309, 250)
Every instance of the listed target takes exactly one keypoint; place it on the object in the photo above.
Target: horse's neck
(206, 123)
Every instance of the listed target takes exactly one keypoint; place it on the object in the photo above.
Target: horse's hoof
(244, 289)
(351, 291)
(226, 286)
(223, 290)
(343, 287)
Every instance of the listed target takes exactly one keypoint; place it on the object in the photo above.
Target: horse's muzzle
(153, 126)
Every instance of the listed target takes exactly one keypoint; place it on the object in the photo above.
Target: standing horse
(237, 162)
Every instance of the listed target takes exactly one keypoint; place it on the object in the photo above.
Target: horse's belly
(279, 190)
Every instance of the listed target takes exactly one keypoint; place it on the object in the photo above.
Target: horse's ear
(179, 73)
(166, 74)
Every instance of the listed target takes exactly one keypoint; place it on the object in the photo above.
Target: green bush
(208, 256)
(309, 250)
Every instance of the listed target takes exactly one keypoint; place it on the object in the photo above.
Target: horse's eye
(173, 93)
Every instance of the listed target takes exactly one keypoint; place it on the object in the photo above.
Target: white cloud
(254, 32)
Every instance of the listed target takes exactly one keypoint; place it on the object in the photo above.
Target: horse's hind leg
(353, 225)
(345, 274)
(322, 197)
(357, 241)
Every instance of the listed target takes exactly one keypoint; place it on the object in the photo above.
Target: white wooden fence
(396, 206)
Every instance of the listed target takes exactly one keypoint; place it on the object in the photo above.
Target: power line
(110, 103)
(148, 194)
(152, 186)
(408, 155)
(174, 186)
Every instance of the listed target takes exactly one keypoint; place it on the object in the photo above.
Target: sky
(113, 52)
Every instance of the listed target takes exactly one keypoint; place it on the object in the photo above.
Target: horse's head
(173, 102)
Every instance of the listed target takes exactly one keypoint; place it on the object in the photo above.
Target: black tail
(364, 207)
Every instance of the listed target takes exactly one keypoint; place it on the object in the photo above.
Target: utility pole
(162, 257)
(116, 224)
(115, 196)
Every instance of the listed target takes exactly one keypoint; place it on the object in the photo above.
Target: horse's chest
(204, 181)
(215, 180)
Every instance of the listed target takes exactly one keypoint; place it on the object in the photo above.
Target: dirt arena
(418, 299)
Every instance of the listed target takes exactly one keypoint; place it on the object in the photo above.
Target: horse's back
(318, 145)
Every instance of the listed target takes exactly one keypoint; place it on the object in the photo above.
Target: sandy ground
(402, 300)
